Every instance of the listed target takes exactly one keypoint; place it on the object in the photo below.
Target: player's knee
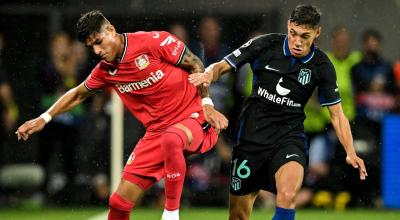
(286, 196)
(239, 211)
(238, 214)
(118, 202)
(172, 138)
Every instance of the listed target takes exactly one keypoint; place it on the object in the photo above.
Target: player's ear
(109, 28)
(318, 31)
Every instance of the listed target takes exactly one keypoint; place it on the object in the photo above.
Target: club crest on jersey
(142, 61)
(304, 76)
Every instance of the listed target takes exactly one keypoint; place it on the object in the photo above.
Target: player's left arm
(193, 64)
(342, 127)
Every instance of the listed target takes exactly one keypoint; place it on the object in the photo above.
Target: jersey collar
(304, 59)
(125, 47)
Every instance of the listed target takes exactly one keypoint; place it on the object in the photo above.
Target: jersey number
(242, 171)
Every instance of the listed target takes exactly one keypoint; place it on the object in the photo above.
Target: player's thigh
(201, 137)
(288, 166)
(241, 206)
(248, 171)
(129, 190)
(289, 177)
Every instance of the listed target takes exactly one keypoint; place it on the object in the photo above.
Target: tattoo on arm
(191, 62)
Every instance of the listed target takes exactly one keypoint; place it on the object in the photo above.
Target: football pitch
(192, 214)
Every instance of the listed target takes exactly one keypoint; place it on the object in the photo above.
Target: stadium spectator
(8, 106)
(149, 71)
(56, 147)
(270, 153)
(180, 31)
(209, 173)
(374, 87)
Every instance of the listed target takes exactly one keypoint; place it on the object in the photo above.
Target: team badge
(236, 183)
(142, 61)
(304, 76)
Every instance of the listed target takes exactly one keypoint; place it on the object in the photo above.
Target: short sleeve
(167, 47)
(248, 51)
(328, 90)
(95, 81)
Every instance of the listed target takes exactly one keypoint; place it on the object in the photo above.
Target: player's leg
(288, 177)
(173, 142)
(129, 190)
(240, 207)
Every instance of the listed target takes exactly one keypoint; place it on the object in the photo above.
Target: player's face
(105, 43)
(300, 38)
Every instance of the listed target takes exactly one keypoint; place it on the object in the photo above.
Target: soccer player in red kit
(149, 71)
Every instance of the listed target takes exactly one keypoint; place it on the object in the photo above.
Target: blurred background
(68, 164)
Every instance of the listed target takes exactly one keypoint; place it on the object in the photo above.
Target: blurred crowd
(73, 150)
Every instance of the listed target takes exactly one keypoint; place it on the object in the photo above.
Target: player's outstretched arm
(68, 101)
(212, 116)
(211, 73)
(343, 131)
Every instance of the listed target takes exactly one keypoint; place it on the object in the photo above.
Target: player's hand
(215, 118)
(357, 163)
(203, 79)
(30, 127)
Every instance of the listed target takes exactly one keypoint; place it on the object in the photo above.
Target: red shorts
(145, 166)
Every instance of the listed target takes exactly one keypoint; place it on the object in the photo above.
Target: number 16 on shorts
(239, 171)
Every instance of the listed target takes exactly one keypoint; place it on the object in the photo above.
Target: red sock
(173, 142)
(120, 208)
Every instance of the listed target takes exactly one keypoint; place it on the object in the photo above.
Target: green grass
(195, 214)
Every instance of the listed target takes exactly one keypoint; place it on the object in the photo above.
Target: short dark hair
(89, 23)
(306, 15)
(371, 33)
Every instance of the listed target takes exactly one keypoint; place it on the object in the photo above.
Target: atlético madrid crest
(142, 61)
(304, 76)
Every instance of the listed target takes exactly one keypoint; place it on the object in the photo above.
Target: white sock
(170, 215)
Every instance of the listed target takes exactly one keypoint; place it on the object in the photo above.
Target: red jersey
(149, 82)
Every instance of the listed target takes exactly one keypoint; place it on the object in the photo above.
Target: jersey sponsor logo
(277, 99)
(176, 48)
(134, 86)
(169, 40)
(237, 53)
(304, 76)
(236, 183)
(131, 158)
(142, 61)
(281, 90)
(267, 67)
(291, 155)
(112, 72)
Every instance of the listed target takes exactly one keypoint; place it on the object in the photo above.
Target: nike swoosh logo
(291, 155)
(112, 73)
(270, 68)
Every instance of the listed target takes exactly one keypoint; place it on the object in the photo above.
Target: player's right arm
(65, 103)
(233, 61)
(211, 74)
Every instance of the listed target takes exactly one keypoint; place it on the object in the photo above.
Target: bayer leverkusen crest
(142, 61)
(304, 76)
